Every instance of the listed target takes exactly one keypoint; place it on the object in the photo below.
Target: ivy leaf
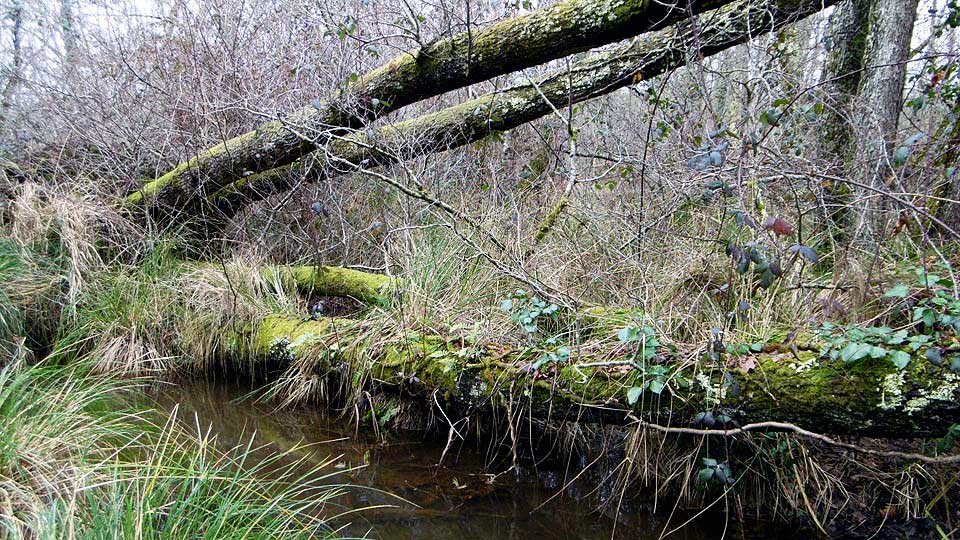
(914, 139)
(628, 334)
(897, 338)
(927, 315)
(633, 395)
(771, 117)
(934, 356)
(700, 162)
(721, 475)
(656, 386)
(900, 359)
(854, 351)
(706, 418)
(716, 158)
(766, 279)
(899, 290)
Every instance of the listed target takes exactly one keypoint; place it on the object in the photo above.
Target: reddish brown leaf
(778, 226)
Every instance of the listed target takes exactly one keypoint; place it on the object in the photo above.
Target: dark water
(462, 499)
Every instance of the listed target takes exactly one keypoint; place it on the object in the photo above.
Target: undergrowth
(78, 459)
(129, 304)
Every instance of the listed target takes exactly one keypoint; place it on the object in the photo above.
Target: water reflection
(460, 500)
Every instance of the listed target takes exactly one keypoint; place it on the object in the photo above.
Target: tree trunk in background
(473, 120)
(886, 52)
(15, 13)
(845, 43)
(68, 27)
(559, 30)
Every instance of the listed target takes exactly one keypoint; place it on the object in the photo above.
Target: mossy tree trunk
(368, 288)
(564, 28)
(865, 398)
(886, 52)
(845, 42)
(598, 74)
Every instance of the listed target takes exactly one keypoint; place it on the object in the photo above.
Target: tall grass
(78, 461)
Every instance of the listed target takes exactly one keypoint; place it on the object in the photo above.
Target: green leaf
(854, 351)
(633, 395)
(771, 117)
(628, 334)
(900, 359)
(898, 291)
(927, 315)
(705, 475)
(897, 338)
(934, 356)
(723, 474)
(656, 386)
(901, 155)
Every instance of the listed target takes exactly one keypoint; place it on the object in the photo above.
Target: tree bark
(559, 30)
(845, 42)
(886, 52)
(599, 74)
(15, 13)
(68, 27)
(865, 398)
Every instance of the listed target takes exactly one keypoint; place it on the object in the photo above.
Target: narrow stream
(459, 500)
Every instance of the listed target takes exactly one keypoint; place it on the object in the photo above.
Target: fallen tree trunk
(367, 287)
(600, 74)
(553, 32)
(865, 398)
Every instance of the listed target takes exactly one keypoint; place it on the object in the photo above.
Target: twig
(792, 428)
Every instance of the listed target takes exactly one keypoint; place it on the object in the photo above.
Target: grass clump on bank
(77, 461)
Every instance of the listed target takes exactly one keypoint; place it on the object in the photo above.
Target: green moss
(601, 321)
(229, 151)
(865, 397)
(550, 220)
(366, 287)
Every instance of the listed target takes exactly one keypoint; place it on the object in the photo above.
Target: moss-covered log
(553, 32)
(599, 74)
(865, 398)
(367, 287)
